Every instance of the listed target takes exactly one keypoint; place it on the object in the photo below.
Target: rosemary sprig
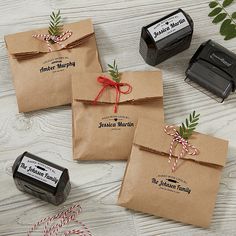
(55, 26)
(187, 129)
(113, 71)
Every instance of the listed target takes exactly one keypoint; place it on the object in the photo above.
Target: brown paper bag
(98, 132)
(42, 79)
(188, 194)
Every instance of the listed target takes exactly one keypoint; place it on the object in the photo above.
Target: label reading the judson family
(39, 171)
(168, 26)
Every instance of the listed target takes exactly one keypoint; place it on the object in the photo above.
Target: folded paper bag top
(156, 140)
(187, 195)
(145, 85)
(25, 45)
(99, 133)
(42, 79)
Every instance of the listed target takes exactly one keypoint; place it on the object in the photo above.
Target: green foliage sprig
(55, 26)
(187, 129)
(220, 14)
(114, 72)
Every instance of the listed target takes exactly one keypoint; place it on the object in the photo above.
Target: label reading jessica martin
(168, 26)
(39, 171)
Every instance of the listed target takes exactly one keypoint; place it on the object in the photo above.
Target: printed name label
(168, 26)
(39, 171)
(171, 183)
(115, 122)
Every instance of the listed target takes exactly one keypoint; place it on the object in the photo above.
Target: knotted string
(187, 148)
(110, 83)
(63, 218)
(56, 39)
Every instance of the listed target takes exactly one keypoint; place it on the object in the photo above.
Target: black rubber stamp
(213, 67)
(41, 178)
(166, 37)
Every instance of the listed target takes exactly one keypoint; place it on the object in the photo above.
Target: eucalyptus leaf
(58, 13)
(113, 71)
(225, 27)
(181, 131)
(190, 130)
(231, 34)
(213, 4)
(227, 3)
(221, 14)
(183, 126)
(215, 12)
(186, 123)
(187, 129)
(190, 117)
(55, 25)
(232, 28)
(219, 18)
(234, 15)
(192, 125)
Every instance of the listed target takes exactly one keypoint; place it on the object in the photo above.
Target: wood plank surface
(47, 133)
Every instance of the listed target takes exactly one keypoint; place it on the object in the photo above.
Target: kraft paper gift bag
(186, 193)
(101, 133)
(42, 71)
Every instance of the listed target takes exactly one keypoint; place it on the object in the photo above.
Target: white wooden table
(48, 133)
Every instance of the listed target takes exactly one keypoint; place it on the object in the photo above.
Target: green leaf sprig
(186, 130)
(55, 26)
(220, 14)
(114, 72)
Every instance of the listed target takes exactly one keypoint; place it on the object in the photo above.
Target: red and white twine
(61, 219)
(56, 39)
(187, 148)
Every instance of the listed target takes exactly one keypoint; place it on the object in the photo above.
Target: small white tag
(168, 26)
(39, 171)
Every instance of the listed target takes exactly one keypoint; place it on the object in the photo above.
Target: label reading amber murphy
(57, 65)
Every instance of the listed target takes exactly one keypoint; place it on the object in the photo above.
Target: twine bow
(187, 148)
(56, 39)
(110, 83)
